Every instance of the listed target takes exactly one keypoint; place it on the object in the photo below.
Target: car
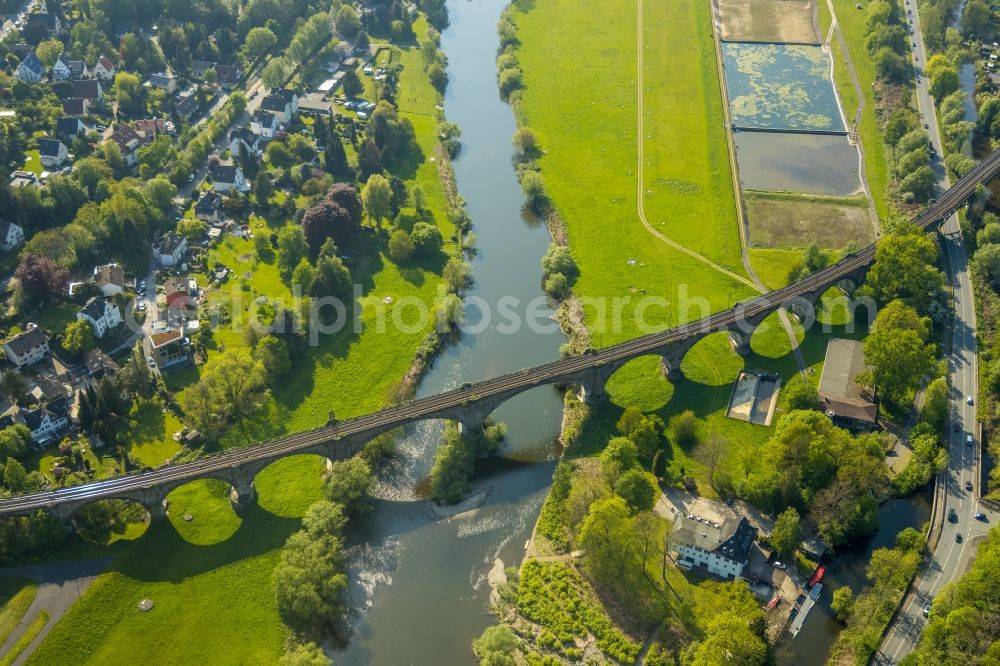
(969, 400)
(780, 565)
(362, 115)
(968, 440)
(151, 361)
(952, 516)
(958, 537)
(957, 426)
(980, 516)
(914, 45)
(142, 306)
(968, 485)
(927, 610)
(190, 177)
(142, 284)
(926, 126)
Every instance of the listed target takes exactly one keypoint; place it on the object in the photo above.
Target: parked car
(958, 537)
(968, 440)
(927, 610)
(780, 565)
(969, 400)
(968, 485)
(152, 363)
(980, 516)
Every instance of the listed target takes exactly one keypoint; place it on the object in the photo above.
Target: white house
(244, 138)
(721, 546)
(61, 70)
(226, 177)
(52, 152)
(11, 235)
(101, 314)
(264, 124)
(110, 279)
(129, 142)
(283, 103)
(31, 69)
(104, 69)
(28, 347)
(45, 423)
(164, 81)
(170, 249)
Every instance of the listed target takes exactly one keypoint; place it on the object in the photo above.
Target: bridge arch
(202, 510)
(104, 521)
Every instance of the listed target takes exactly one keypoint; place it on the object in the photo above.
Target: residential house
(52, 152)
(245, 138)
(49, 22)
(88, 89)
(21, 50)
(101, 314)
(164, 81)
(78, 70)
(185, 106)
(264, 123)
(226, 177)
(198, 68)
(283, 103)
(99, 365)
(848, 403)
(150, 128)
(166, 348)
(720, 544)
(76, 107)
(31, 69)
(70, 127)
(182, 293)
(61, 70)
(28, 347)
(129, 142)
(229, 75)
(104, 69)
(11, 235)
(209, 207)
(170, 249)
(110, 279)
(24, 179)
(46, 423)
(315, 104)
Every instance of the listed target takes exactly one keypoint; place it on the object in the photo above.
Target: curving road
(548, 373)
(959, 486)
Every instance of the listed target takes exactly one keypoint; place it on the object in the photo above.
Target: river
(419, 590)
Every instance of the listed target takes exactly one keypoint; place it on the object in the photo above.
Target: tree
(191, 228)
(272, 352)
(843, 602)
(259, 41)
(263, 188)
(369, 159)
(684, 427)
(347, 197)
(136, 379)
(332, 276)
(400, 246)
(920, 183)
(638, 488)
(799, 393)
(978, 20)
(349, 484)
(897, 351)
(275, 72)
(15, 477)
(905, 268)
(49, 51)
(438, 76)
(305, 654)
(348, 22)
(310, 584)
(328, 220)
(787, 533)
(427, 239)
(15, 441)
(78, 338)
(292, 247)
(524, 141)
(534, 189)
(558, 259)
(619, 456)
(986, 263)
(729, 640)
(40, 278)
(15, 387)
(889, 65)
(377, 198)
(419, 199)
(351, 84)
(944, 81)
(335, 158)
(304, 276)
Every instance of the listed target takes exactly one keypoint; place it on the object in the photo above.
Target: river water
(420, 593)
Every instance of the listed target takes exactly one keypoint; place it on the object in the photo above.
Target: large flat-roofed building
(847, 403)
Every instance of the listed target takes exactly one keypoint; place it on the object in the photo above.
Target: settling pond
(809, 163)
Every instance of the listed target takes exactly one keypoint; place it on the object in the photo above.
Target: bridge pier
(157, 510)
(242, 494)
(471, 426)
(593, 385)
(739, 340)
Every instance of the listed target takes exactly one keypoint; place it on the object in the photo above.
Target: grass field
(768, 20)
(210, 578)
(24, 641)
(793, 221)
(852, 25)
(772, 266)
(16, 594)
(582, 107)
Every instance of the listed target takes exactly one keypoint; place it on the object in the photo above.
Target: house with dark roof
(52, 152)
(164, 81)
(11, 235)
(315, 104)
(209, 207)
(110, 279)
(101, 314)
(244, 138)
(68, 127)
(99, 365)
(31, 69)
(166, 348)
(88, 89)
(227, 177)
(61, 70)
(76, 106)
(129, 142)
(185, 106)
(78, 70)
(848, 403)
(229, 75)
(44, 20)
(264, 123)
(283, 103)
(199, 67)
(104, 69)
(27, 348)
(170, 249)
(47, 422)
(150, 128)
(719, 544)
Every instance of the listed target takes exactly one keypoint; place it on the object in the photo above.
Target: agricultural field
(785, 220)
(768, 21)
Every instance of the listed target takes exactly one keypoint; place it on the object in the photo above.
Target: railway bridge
(471, 404)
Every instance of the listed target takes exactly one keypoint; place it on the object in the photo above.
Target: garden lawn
(151, 433)
(581, 105)
(33, 162)
(852, 24)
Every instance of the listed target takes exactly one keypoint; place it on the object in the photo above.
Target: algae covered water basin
(781, 87)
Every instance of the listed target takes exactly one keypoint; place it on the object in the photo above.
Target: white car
(969, 400)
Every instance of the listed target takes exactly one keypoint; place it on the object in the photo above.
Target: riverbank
(211, 578)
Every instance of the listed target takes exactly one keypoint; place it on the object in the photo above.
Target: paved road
(951, 558)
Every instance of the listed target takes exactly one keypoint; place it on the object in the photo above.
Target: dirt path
(60, 584)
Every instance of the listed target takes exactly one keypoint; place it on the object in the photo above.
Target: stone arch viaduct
(471, 404)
